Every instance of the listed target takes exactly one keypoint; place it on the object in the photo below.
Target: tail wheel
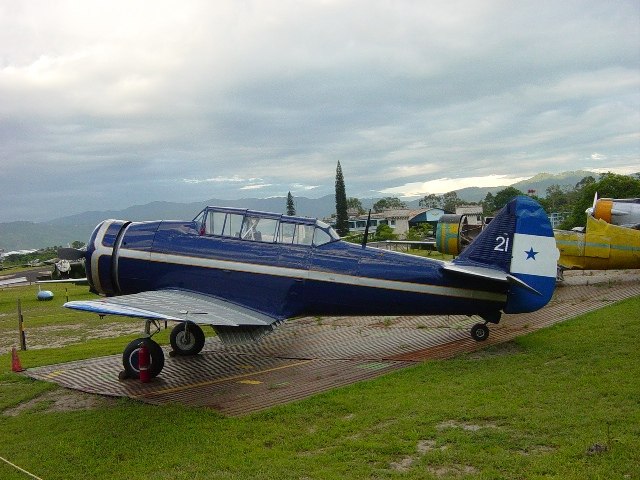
(130, 358)
(187, 338)
(479, 332)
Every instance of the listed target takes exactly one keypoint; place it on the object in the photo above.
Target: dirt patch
(423, 447)
(502, 349)
(60, 400)
(537, 450)
(56, 336)
(452, 471)
(470, 427)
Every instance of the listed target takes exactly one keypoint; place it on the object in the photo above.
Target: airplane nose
(101, 256)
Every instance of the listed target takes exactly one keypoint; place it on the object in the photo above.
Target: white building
(399, 220)
(473, 213)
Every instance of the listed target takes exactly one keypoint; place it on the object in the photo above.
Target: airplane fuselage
(243, 272)
(278, 278)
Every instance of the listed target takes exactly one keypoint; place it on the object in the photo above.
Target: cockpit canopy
(267, 227)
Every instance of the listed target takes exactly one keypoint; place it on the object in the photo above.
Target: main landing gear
(480, 331)
(187, 339)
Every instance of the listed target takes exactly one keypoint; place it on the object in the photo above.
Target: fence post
(22, 339)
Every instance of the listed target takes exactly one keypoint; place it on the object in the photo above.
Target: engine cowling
(101, 257)
(454, 233)
(448, 234)
(617, 212)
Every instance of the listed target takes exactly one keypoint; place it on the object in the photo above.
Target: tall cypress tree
(291, 207)
(342, 218)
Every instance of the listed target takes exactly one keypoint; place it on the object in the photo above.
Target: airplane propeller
(71, 253)
(591, 210)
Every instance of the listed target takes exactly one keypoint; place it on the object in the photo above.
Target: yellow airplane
(610, 240)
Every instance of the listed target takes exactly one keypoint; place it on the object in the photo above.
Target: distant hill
(539, 183)
(61, 231)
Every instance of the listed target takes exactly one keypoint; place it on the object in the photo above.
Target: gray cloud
(107, 105)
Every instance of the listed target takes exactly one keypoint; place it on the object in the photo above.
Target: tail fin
(519, 242)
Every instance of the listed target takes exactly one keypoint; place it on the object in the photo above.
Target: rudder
(519, 241)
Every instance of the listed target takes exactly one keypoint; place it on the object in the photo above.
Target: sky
(104, 105)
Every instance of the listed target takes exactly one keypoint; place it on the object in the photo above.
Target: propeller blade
(591, 210)
(71, 254)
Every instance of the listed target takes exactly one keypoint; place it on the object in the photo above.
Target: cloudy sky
(108, 104)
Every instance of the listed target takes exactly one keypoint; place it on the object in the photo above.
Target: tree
(504, 196)
(588, 180)
(342, 217)
(450, 201)
(430, 201)
(291, 207)
(356, 204)
(385, 232)
(419, 232)
(77, 244)
(388, 203)
(488, 204)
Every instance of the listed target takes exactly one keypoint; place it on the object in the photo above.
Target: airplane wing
(177, 305)
(487, 274)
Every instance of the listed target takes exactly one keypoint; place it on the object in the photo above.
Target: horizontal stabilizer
(177, 305)
(488, 274)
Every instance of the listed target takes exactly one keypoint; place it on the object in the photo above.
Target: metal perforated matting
(311, 355)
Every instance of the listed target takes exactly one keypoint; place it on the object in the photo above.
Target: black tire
(479, 332)
(130, 358)
(187, 338)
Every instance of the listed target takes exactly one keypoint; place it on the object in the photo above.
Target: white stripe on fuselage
(312, 275)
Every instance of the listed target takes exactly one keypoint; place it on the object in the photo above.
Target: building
(473, 213)
(399, 220)
(556, 218)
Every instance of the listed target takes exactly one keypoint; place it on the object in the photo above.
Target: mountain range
(63, 230)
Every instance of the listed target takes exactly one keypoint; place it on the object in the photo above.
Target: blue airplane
(243, 272)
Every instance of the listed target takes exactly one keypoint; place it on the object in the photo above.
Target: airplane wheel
(479, 332)
(187, 338)
(130, 358)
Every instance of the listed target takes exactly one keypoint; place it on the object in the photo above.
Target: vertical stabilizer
(519, 241)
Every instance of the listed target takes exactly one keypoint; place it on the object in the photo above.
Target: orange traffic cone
(15, 361)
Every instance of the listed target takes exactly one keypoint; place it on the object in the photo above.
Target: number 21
(502, 244)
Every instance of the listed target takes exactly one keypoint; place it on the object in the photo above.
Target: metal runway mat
(311, 355)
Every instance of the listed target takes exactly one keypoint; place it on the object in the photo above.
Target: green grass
(530, 409)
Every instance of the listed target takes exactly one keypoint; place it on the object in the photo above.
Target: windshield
(327, 228)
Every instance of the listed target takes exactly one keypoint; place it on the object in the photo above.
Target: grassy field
(527, 409)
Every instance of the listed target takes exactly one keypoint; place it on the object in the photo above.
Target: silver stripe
(313, 275)
(99, 250)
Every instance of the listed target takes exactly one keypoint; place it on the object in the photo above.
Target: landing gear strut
(187, 338)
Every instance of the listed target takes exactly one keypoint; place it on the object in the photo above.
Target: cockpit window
(320, 237)
(329, 230)
(215, 223)
(233, 224)
(304, 235)
(286, 232)
(259, 229)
